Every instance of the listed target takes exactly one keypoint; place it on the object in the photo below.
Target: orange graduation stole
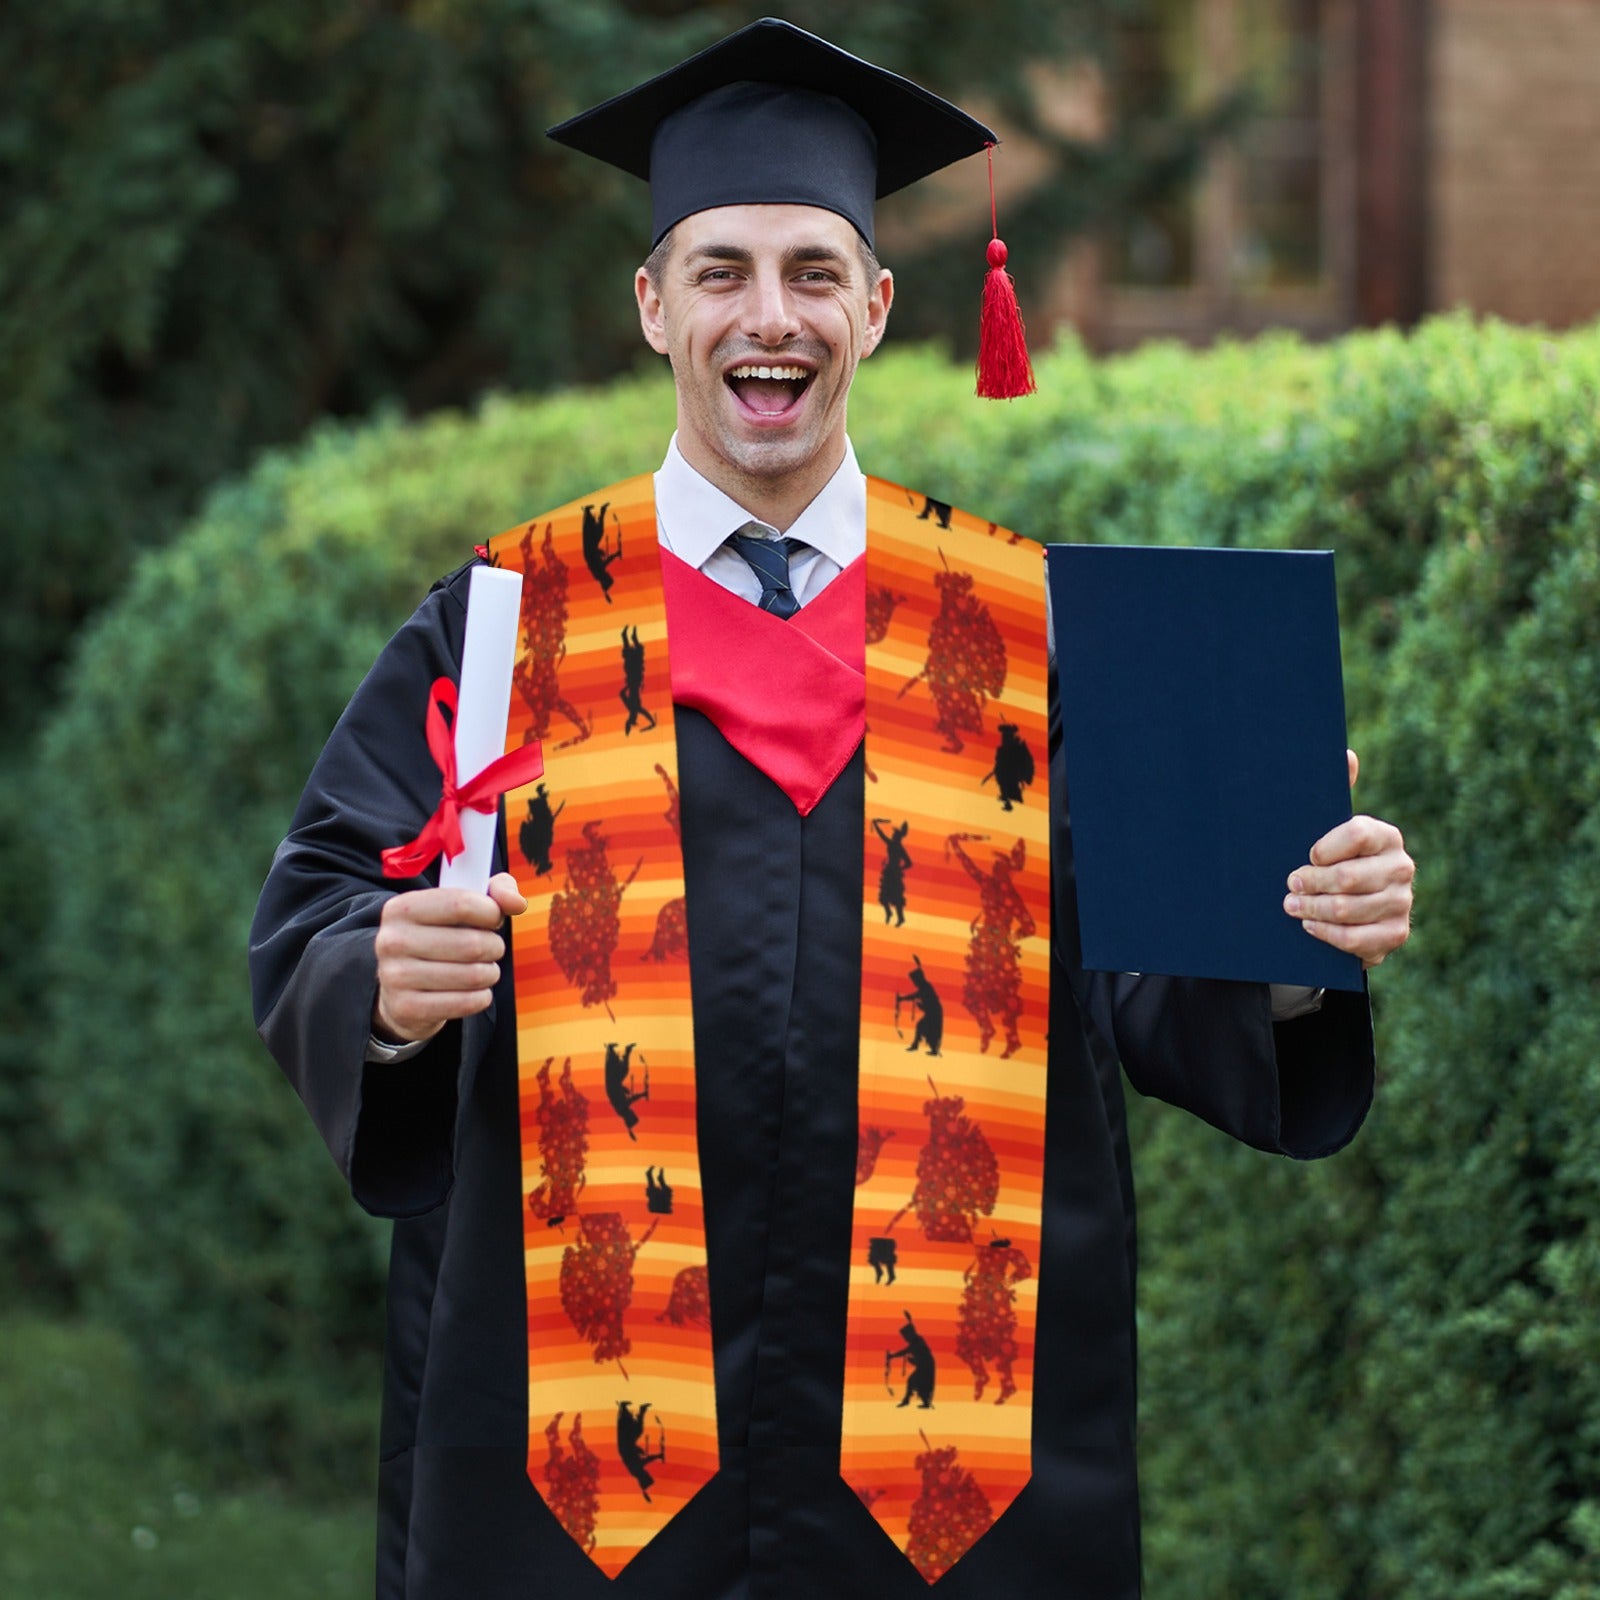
(938, 1379)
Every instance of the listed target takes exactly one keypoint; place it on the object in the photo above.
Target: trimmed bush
(1376, 1377)
(194, 1206)
(1373, 1377)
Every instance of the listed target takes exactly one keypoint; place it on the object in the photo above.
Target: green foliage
(1369, 1379)
(1387, 1388)
(96, 1500)
(19, 1127)
(219, 224)
(1497, 1039)
(190, 1208)
(1376, 1377)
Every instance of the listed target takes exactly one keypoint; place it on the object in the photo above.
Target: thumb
(1354, 762)
(504, 892)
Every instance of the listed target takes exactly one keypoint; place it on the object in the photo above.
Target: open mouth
(769, 391)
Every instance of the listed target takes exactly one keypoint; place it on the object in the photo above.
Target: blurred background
(296, 304)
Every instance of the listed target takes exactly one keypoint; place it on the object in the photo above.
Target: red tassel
(1004, 370)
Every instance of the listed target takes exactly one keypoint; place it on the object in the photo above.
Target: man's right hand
(439, 953)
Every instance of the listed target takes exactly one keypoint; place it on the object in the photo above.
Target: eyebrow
(739, 255)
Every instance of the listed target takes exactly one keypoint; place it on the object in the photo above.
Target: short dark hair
(656, 262)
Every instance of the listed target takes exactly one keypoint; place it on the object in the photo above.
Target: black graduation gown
(774, 910)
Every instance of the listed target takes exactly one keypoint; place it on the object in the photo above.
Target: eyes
(803, 277)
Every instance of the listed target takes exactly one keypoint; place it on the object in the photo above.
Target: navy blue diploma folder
(1202, 713)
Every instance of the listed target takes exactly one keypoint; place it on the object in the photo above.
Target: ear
(879, 299)
(652, 315)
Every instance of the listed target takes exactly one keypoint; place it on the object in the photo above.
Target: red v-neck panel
(837, 620)
(790, 696)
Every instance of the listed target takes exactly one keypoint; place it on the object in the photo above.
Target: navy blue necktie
(769, 560)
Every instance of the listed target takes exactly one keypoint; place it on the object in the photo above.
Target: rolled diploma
(494, 608)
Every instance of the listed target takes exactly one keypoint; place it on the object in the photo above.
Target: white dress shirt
(694, 518)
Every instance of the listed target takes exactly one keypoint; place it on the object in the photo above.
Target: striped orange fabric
(953, 1005)
(955, 996)
(621, 1402)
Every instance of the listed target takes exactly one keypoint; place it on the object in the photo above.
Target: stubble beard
(767, 459)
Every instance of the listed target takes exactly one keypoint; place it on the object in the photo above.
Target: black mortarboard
(774, 115)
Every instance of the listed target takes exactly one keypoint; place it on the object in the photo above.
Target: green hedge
(1377, 1377)
(1374, 1377)
(193, 1205)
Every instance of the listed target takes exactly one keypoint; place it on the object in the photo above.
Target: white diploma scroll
(494, 608)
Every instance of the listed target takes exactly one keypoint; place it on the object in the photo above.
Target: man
(520, 1117)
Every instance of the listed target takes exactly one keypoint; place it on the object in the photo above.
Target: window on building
(1263, 236)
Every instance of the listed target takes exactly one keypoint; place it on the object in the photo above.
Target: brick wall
(1514, 162)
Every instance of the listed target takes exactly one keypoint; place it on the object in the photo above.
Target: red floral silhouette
(690, 1302)
(950, 1514)
(958, 1178)
(563, 1143)
(869, 1142)
(572, 1481)
(671, 941)
(881, 603)
(993, 988)
(584, 921)
(597, 1282)
(544, 639)
(987, 1329)
(966, 659)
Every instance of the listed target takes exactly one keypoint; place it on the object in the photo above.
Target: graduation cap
(773, 115)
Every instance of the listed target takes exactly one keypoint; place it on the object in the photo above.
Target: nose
(771, 317)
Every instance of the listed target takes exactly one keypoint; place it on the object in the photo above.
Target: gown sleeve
(1300, 1088)
(390, 1127)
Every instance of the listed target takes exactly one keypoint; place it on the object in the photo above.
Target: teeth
(796, 374)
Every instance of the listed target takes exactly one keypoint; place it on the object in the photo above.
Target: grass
(94, 1503)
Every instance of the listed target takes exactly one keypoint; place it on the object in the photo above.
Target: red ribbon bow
(442, 831)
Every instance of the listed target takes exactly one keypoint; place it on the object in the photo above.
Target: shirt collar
(696, 517)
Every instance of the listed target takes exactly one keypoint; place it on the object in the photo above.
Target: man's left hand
(1355, 893)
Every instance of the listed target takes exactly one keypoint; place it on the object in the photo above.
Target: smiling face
(764, 311)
